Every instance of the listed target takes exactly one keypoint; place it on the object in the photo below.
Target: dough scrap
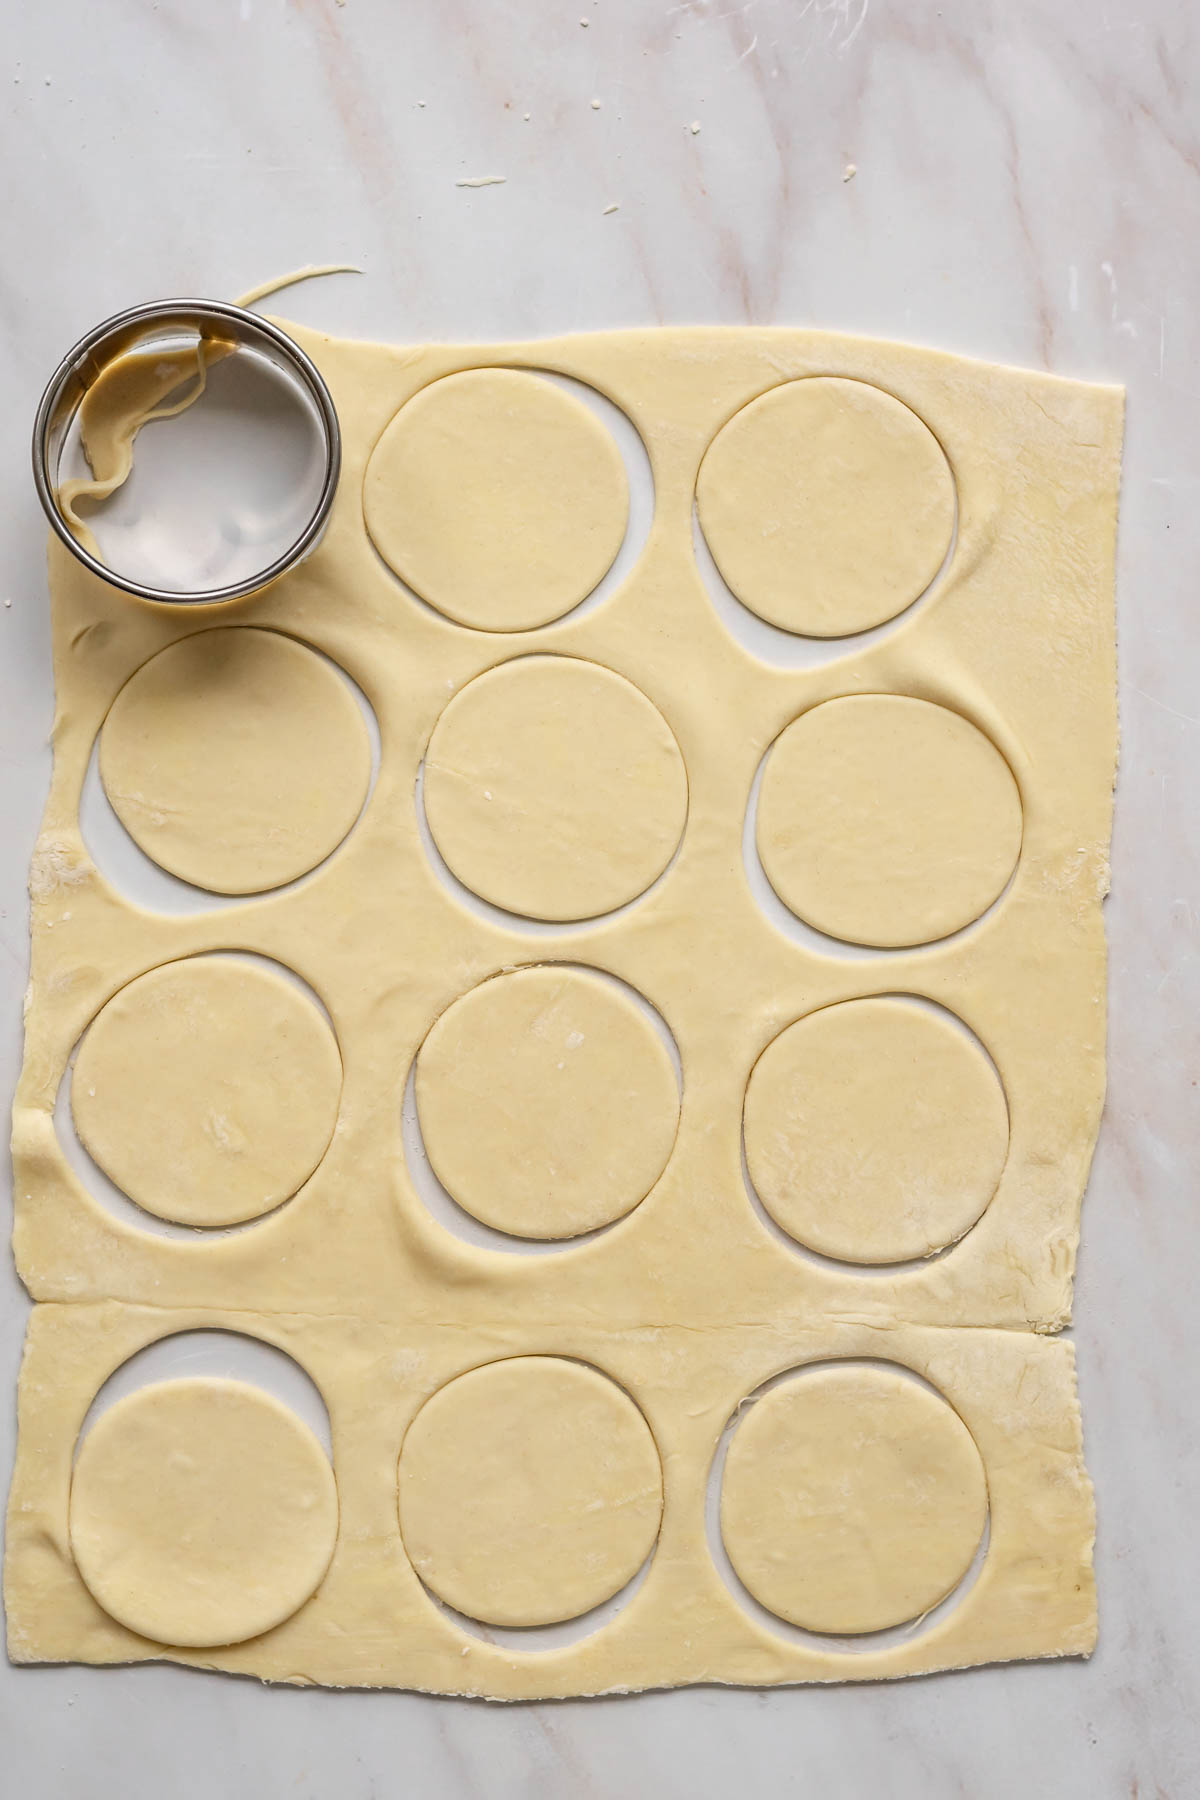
(548, 1104)
(202, 1512)
(207, 1090)
(875, 1130)
(886, 820)
(853, 1499)
(530, 1491)
(828, 506)
(498, 498)
(236, 759)
(554, 788)
(131, 391)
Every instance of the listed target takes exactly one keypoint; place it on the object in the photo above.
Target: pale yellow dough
(554, 788)
(548, 1103)
(885, 820)
(853, 1499)
(500, 499)
(828, 506)
(875, 1131)
(608, 763)
(207, 1090)
(237, 759)
(202, 1511)
(530, 1491)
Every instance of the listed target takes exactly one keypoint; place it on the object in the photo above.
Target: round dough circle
(236, 758)
(498, 498)
(875, 1130)
(827, 505)
(530, 1491)
(885, 820)
(208, 1090)
(554, 788)
(548, 1103)
(853, 1499)
(202, 1512)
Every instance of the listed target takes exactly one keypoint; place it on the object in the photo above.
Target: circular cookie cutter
(206, 331)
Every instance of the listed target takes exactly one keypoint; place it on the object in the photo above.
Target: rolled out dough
(547, 1102)
(519, 1435)
(530, 1491)
(237, 759)
(499, 499)
(854, 1499)
(828, 506)
(885, 820)
(554, 788)
(202, 1511)
(875, 1130)
(207, 1090)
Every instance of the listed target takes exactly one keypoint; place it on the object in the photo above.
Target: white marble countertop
(1026, 189)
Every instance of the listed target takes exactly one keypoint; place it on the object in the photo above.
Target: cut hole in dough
(530, 1491)
(554, 788)
(886, 820)
(548, 1105)
(202, 1512)
(853, 1499)
(499, 499)
(827, 505)
(876, 1130)
(237, 759)
(208, 1090)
